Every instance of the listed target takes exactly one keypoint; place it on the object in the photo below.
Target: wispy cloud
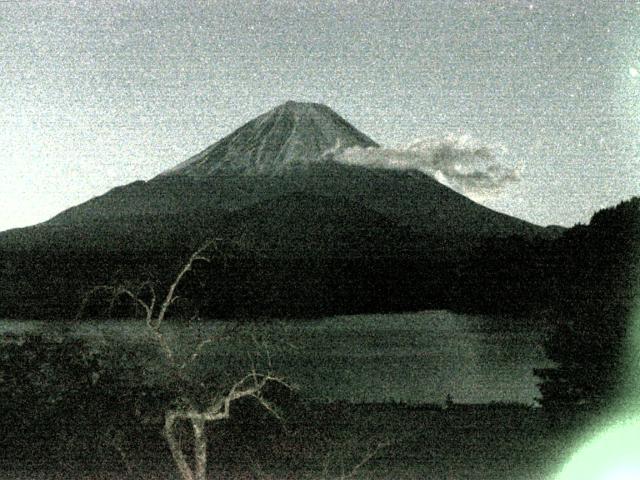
(474, 169)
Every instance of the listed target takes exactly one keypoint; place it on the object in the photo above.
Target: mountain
(349, 231)
(290, 135)
(291, 149)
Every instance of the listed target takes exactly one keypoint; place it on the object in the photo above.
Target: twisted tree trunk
(251, 385)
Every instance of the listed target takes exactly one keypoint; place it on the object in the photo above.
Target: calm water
(414, 357)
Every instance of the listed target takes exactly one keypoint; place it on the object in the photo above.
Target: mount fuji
(290, 151)
(274, 183)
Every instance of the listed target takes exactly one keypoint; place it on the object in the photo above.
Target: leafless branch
(330, 459)
(366, 459)
(211, 339)
(251, 385)
(197, 255)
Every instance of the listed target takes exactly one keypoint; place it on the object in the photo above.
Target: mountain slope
(293, 224)
(410, 198)
(291, 134)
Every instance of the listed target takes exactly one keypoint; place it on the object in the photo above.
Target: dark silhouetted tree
(594, 309)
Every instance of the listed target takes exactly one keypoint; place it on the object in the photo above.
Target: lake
(411, 357)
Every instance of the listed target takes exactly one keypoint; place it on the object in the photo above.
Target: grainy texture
(98, 94)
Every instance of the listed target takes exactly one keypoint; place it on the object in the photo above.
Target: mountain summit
(289, 135)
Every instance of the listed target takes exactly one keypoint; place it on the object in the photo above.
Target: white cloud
(472, 168)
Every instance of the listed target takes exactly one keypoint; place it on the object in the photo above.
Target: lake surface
(412, 357)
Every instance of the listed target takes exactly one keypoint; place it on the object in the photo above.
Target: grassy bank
(314, 441)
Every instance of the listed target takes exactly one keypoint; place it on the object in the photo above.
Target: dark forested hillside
(597, 292)
(328, 256)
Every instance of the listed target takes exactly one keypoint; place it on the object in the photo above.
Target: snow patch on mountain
(289, 135)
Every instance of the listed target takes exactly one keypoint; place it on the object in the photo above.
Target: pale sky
(98, 94)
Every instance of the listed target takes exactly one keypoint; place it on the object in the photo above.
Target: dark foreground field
(87, 401)
(340, 440)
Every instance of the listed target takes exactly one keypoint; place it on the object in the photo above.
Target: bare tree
(355, 468)
(251, 385)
